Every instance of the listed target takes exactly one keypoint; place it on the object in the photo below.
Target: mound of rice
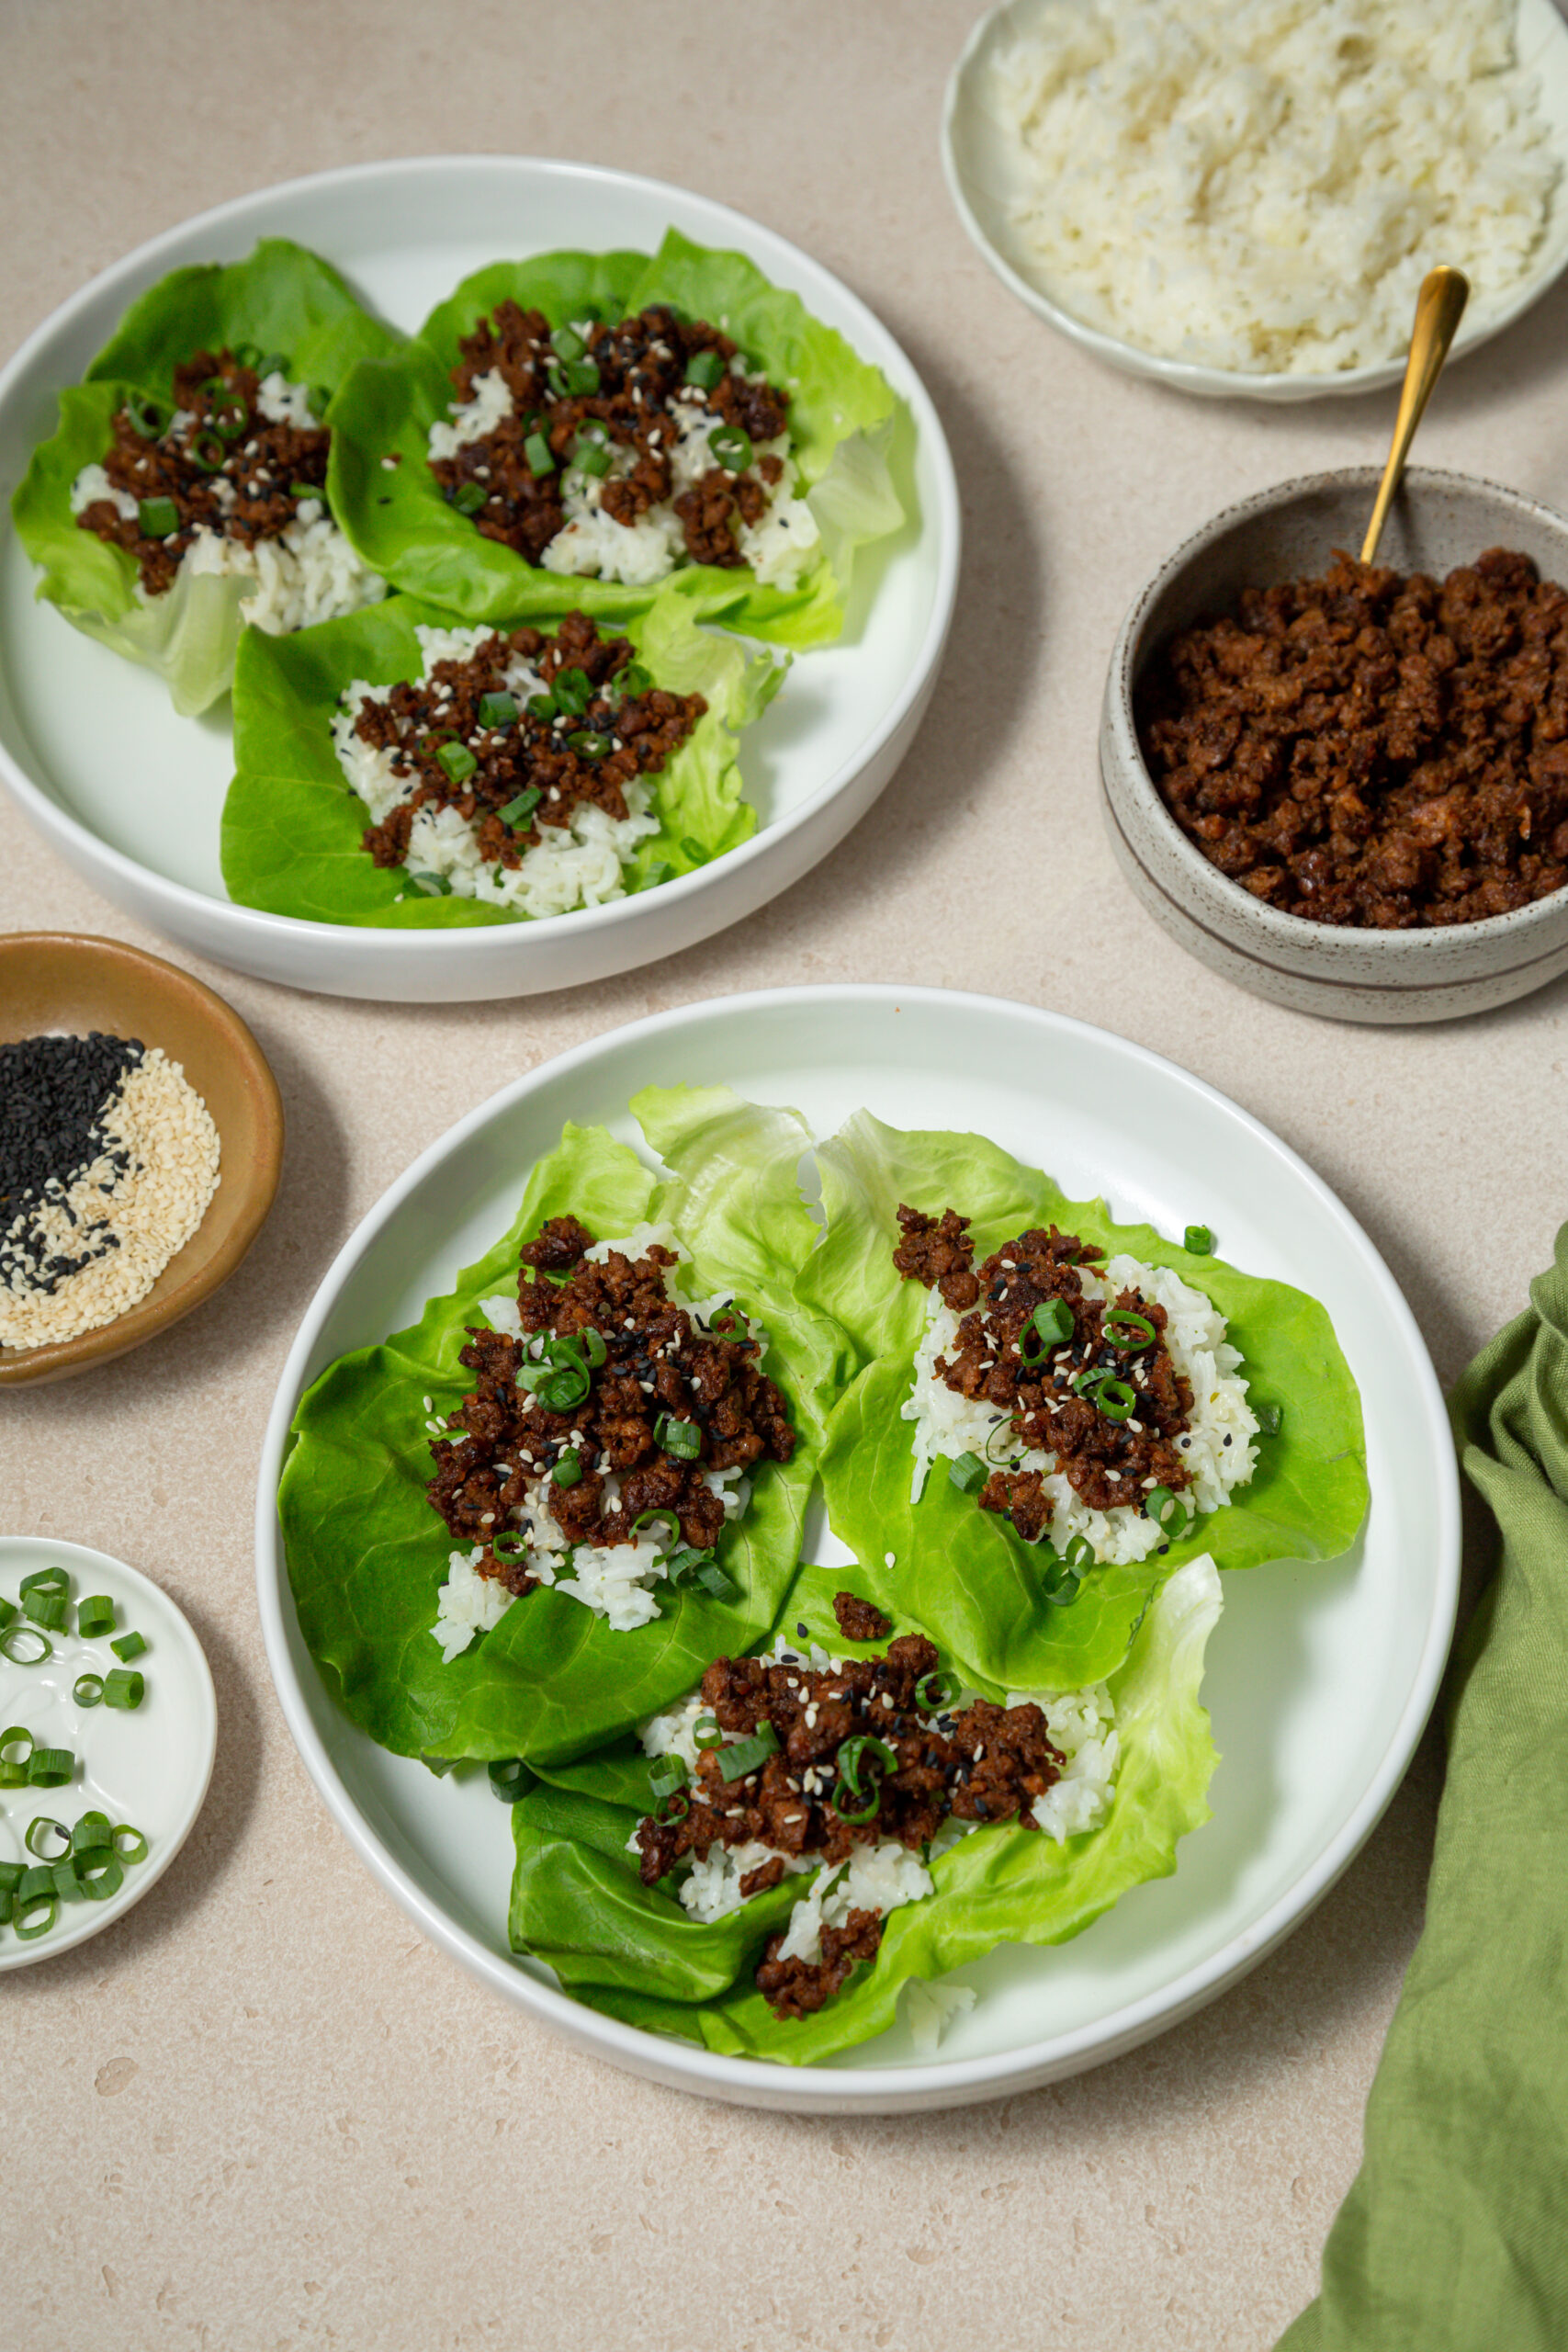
(1217, 1447)
(618, 1581)
(1261, 184)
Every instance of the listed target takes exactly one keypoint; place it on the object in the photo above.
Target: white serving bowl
(132, 795)
(985, 178)
(1438, 521)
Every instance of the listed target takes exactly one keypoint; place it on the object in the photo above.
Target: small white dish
(132, 795)
(1320, 1676)
(149, 1767)
(984, 178)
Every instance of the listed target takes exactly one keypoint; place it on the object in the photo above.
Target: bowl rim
(1274, 385)
(1119, 731)
(259, 1179)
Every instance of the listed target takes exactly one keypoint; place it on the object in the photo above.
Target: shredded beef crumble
(1373, 750)
(985, 1763)
(860, 1620)
(567, 757)
(1109, 1463)
(660, 1366)
(640, 365)
(235, 475)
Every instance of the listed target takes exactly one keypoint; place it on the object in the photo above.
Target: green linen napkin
(1454, 2236)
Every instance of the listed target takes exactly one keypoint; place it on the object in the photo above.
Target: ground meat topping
(796, 1988)
(985, 1763)
(670, 1400)
(1373, 750)
(617, 392)
(600, 722)
(860, 1620)
(215, 463)
(1048, 1388)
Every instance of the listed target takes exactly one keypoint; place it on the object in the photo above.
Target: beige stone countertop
(262, 2111)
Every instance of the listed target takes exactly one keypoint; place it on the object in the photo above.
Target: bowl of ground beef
(1344, 787)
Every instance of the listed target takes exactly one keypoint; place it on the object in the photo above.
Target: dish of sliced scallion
(108, 1732)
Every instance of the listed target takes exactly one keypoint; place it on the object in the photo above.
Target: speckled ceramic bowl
(1438, 520)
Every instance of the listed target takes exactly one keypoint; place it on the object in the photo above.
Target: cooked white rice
(580, 867)
(592, 544)
(1217, 1447)
(1261, 184)
(618, 1581)
(929, 2007)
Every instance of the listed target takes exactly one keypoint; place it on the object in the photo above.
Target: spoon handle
(1439, 306)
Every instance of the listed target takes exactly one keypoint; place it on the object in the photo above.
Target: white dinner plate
(985, 178)
(131, 795)
(1320, 1676)
(148, 1768)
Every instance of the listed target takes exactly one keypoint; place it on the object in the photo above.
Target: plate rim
(846, 2089)
(95, 1921)
(255, 923)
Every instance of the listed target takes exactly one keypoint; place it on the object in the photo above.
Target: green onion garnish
(682, 1563)
(568, 1469)
(518, 810)
(666, 1774)
(633, 679)
(706, 1732)
(246, 355)
(434, 886)
(14, 1766)
(498, 711)
(25, 1644)
(35, 1915)
(509, 1546)
(1059, 1584)
(100, 1877)
(729, 1322)
(582, 376)
(469, 496)
(704, 369)
(45, 1580)
(1269, 1418)
(657, 1519)
(559, 1387)
(732, 447)
(568, 344)
(1053, 1321)
(207, 449)
(91, 1832)
(226, 412)
(7, 1613)
(681, 1439)
(50, 1768)
(39, 1830)
(128, 1646)
(66, 1884)
(11, 1876)
(128, 1843)
(934, 1692)
(573, 691)
(148, 417)
(1079, 1553)
(95, 1616)
(536, 455)
(1138, 1328)
(543, 706)
(1117, 1400)
(593, 1346)
(968, 1474)
(157, 518)
(1198, 1240)
(1169, 1514)
(125, 1689)
(46, 1609)
(458, 761)
(693, 850)
(512, 1780)
(87, 1689)
(736, 1762)
(590, 457)
(713, 1579)
(588, 745)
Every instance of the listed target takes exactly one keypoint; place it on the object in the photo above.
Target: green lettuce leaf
(366, 1554)
(841, 420)
(579, 1905)
(292, 829)
(282, 298)
(962, 1573)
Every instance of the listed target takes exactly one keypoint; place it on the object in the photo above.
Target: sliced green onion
(582, 376)
(704, 369)
(729, 1322)
(681, 1439)
(128, 1646)
(458, 761)
(683, 1563)
(1005, 1436)
(543, 706)
(7, 1906)
(469, 497)
(559, 1390)
(666, 1774)
(590, 457)
(853, 1754)
(46, 1580)
(12, 1767)
(573, 691)
(94, 1615)
(35, 1915)
(1052, 1318)
(744, 1757)
(1269, 1418)
(149, 417)
(226, 412)
(508, 1547)
(512, 1780)
(732, 447)
(207, 449)
(46, 1609)
(25, 1644)
(934, 1692)
(11, 1876)
(7, 1613)
(657, 1519)
(1138, 1328)
(128, 1843)
(567, 1470)
(39, 1828)
(568, 343)
(245, 354)
(1060, 1584)
(38, 1879)
(433, 886)
(706, 1732)
(1117, 1400)
(92, 1833)
(518, 810)
(714, 1580)
(1199, 1239)
(50, 1768)
(67, 1885)
(309, 489)
(1078, 1552)
(157, 518)
(593, 1345)
(498, 711)
(100, 1877)
(536, 455)
(1169, 1514)
(588, 745)
(633, 679)
(968, 1474)
(124, 1689)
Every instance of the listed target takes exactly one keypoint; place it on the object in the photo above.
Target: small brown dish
(58, 982)
(1438, 521)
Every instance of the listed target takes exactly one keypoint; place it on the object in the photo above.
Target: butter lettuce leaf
(292, 829)
(281, 297)
(366, 1554)
(633, 1951)
(841, 419)
(962, 1573)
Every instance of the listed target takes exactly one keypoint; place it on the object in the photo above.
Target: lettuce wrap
(292, 828)
(841, 417)
(579, 1905)
(963, 1574)
(366, 1553)
(280, 298)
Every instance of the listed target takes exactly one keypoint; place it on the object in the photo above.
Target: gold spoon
(1439, 306)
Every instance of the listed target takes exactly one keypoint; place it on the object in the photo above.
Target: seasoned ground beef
(1367, 749)
(985, 1763)
(216, 459)
(611, 390)
(668, 1400)
(860, 1620)
(1049, 1389)
(601, 722)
